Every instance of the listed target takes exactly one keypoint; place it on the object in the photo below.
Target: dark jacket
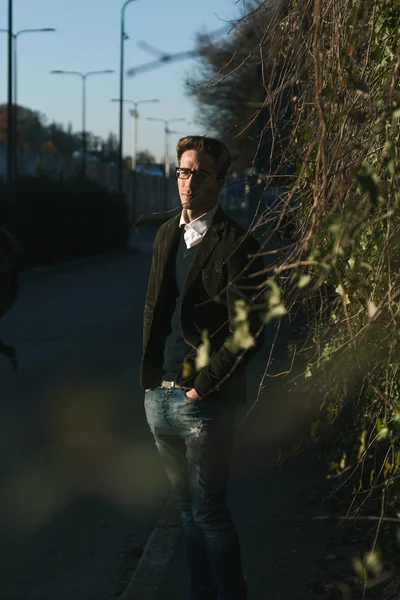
(217, 278)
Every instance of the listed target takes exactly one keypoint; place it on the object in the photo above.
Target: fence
(148, 197)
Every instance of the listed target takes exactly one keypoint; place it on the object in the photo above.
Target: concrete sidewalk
(284, 547)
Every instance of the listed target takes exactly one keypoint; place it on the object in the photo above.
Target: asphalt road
(81, 485)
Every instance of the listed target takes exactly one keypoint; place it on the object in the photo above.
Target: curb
(147, 578)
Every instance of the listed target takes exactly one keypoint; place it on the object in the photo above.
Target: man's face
(199, 193)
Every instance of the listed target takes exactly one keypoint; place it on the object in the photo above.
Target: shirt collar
(201, 224)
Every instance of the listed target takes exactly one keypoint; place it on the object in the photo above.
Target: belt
(171, 385)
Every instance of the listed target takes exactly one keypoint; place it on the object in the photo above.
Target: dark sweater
(176, 348)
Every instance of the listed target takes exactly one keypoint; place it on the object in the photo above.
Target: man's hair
(214, 148)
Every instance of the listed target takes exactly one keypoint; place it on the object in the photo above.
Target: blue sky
(87, 39)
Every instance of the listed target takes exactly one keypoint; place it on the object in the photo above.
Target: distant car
(150, 170)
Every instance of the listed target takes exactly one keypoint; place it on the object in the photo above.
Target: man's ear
(220, 183)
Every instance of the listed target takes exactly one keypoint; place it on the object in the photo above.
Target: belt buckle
(168, 385)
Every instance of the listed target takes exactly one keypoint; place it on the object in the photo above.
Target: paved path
(80, 481)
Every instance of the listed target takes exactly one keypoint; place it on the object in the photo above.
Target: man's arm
(241, 286)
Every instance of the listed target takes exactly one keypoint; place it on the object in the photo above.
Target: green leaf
(241, 311)
(342, 464)
(376, 54)
(242, 338)
(272, 294)
(334, 226)
(304, 281)
(339, 290)
(203, 352)
(371, 308)
(373, 562)
(384, 432)
(353, 16)
(352, 262)
(327, 91)
(275, 313)
(308, 133)
(362, 447)
(359, 568)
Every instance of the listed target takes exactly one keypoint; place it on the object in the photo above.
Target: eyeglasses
(186, 173)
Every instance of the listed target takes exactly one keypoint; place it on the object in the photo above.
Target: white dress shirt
(196, 230)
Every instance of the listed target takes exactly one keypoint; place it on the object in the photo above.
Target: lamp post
(10, 127)
(134, 114)
(14, 37)
(123, 38)
(166, 142)
(83, 77)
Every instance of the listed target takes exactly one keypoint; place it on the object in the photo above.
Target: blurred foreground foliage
(54, 221)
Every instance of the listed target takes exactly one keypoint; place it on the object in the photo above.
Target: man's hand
(192, 394)
(148, 390)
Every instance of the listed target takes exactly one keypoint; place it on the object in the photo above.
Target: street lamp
(15, 54)
(134, 114)
(10, 120)
(124, 37)
(14, 37)
(83, 77)
(166, 132)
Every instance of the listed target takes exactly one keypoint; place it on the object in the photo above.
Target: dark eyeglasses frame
(203, 174)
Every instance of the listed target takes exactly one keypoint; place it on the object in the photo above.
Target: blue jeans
(194, 439)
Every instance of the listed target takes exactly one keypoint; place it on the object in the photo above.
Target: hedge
(53, 221)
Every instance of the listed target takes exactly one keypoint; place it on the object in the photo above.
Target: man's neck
(192, 215)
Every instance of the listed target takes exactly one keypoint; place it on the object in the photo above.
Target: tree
(145, 157)
(31, 131)
(34, 133)
(65, 142)
(48, 148)
(331, 93)
(111, 144)
(234, 76)
(324, 79)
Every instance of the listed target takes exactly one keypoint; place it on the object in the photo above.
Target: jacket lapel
(170, 241)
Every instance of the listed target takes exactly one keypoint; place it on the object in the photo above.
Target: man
(8, 286)
(198, 328)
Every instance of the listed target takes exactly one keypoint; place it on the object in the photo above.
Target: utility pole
(123, 38)
(134, 114)
(10, 116)
(15, 81)
(83, 77)
(166, 150)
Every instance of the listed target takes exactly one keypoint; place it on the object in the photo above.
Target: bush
(54, 221)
